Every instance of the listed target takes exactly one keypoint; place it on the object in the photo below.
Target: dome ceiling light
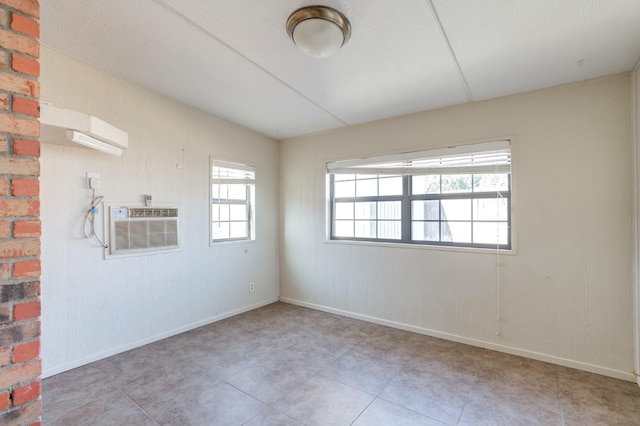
(318, 31)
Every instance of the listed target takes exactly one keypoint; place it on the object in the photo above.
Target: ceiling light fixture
(318, 31)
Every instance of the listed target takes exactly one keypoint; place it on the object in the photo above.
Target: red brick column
(20, 366)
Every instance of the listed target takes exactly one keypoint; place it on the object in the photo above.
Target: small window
(232, 201)
(458, 196)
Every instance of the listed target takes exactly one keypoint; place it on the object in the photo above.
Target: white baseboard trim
(114, 351)
(604, 371)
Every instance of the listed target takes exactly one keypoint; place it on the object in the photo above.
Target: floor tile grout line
(269, 407)
(363, 410)
(347, 385)
(256, 415)
(462, 412)
(116, 387)
(139, 407)
(409, 409)
(246, 393)
(560, 405)
(353, 387)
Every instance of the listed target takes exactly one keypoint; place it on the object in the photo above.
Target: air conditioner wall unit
(142, 230)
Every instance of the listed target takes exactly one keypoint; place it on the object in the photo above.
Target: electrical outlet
(93, 180)
(252, 287)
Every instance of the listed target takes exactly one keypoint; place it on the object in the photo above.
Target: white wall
(565, 296)
(636, 136)
(94, 307)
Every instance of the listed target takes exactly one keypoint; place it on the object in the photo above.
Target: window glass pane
(365, 211)
(456, 183)
(389, 229)
(490, 233)
(238, 212)
(219, 191)
(429, 184)
(238, 230)
(456, 232)
(343, 177)
(220, 230)
(237, 192)
(490, 209)
(456, 210)
(491, 182)
(343, 228)
(425, 210)
(391, 185)
(344, 211)
(390, 210)
(345, 189)
(365, 229)
(425, 231)
(367, 187)
(220, 212)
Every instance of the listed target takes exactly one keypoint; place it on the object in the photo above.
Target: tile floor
(285, 365)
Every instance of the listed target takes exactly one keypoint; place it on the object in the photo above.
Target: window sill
(228, 243)
(509, 252)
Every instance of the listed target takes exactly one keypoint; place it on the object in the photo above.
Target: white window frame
(236, 173)
(482, 158)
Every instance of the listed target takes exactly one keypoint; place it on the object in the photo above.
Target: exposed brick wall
(20, 367)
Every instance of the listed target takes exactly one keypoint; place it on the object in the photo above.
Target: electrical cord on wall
(90, 219)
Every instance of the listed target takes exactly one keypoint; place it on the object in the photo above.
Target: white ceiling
(234, 59)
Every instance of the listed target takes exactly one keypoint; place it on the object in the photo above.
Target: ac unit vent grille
(152, 212)
(143, 229)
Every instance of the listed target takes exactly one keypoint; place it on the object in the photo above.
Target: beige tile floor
(286, 365)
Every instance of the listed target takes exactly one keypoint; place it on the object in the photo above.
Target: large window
(232, 201)
(458, 196)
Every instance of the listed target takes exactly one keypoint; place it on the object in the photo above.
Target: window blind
(231, 173)
(484, 158)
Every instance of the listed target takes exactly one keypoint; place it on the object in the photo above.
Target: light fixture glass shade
(318, 31)
(318, 38)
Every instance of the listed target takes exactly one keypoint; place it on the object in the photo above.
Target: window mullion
(405, 209)
(332, 207)
(248, 205)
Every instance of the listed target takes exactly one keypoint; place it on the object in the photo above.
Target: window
(458, 196)
(232, 201)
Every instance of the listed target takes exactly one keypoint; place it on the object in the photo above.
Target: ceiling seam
(463, 79)
(212, 36)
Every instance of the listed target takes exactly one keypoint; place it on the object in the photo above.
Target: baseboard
(114, 351)
(617, 374)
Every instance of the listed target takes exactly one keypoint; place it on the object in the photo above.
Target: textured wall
(564, 296)
(94, 307)
(636, 130)
(20, 365)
